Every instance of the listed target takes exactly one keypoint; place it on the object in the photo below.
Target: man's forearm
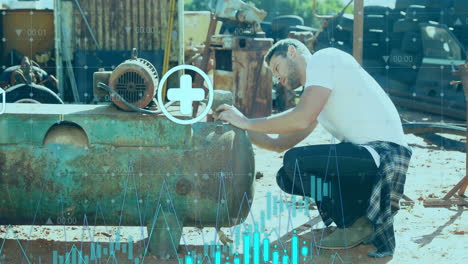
(264, 141)
(290, 121)
(299, 118)
(282, 142)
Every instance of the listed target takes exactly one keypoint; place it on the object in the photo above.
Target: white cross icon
(186, 94)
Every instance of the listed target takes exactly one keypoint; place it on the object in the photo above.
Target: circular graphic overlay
(210, 95)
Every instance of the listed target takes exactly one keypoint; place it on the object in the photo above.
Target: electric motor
(136, 80)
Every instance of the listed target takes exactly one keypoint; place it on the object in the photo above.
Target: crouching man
(365, 173)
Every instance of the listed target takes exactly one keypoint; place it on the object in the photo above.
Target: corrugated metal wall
(124, 24)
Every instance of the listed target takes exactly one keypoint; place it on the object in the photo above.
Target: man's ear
(291, 51)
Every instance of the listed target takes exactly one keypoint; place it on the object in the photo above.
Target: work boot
(360, 231)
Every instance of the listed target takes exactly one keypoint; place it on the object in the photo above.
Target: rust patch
(21, 168)
(183, 186)
(2, 161)
(223, 80)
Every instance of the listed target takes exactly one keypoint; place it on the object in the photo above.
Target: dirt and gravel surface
(423, 235)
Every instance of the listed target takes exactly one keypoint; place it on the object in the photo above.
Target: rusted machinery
(27, 83)
(238, 58)
(136, 80)
(451, 198)
(239, 69)
(28, 32)
(66, 162)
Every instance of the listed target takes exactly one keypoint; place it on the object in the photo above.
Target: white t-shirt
(358, 109)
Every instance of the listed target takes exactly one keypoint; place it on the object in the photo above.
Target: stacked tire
(378, 24)
(441, 11)
(402, 5)
(5, 76)
(338, 34)
(407, 50)
(31, 93)
(281, 25)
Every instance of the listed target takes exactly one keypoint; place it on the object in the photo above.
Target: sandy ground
(424, 235)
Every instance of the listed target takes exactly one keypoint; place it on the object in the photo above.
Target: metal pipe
(429, 128)
(311, 41)
(425, 98)
(464, 77)
(167, 51)
(314, 11)
(87, 24)
(205, 61)
(180, 33)
(427, 107)
(58, 47)
(358, 30)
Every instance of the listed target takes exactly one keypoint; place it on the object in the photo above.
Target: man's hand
(293, 120)
(232, 115)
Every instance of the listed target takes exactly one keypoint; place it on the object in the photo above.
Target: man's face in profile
(286, 70)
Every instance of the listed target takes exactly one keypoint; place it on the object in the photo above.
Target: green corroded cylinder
(61, 164)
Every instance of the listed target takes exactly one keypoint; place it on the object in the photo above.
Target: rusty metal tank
(64, 162)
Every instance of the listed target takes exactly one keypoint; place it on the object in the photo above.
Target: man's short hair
(281, 48)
